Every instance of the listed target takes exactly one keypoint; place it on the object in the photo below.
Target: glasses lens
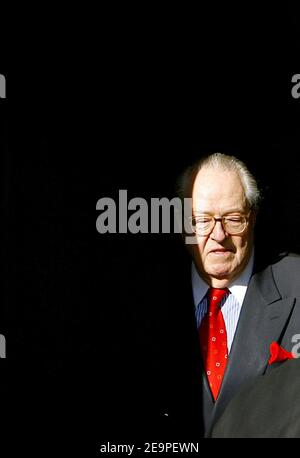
(234, 225)
(202, 225)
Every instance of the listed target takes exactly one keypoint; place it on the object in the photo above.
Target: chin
(222, 276)
(221, 272)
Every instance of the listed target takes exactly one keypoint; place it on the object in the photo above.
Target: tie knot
(215, 296)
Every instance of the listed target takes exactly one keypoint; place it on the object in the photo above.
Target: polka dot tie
(213, 340)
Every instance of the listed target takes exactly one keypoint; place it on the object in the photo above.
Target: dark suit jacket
(155, 384)
(269, 407)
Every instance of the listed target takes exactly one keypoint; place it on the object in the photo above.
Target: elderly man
(194, 329)
(239, 311)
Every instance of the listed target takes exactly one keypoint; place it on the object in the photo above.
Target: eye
(234, 219)
(203, 219)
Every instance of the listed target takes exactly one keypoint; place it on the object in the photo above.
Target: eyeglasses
(232, 225)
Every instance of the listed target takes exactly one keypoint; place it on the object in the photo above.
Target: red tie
(213, 340)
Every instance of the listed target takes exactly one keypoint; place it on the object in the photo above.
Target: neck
(219, 283)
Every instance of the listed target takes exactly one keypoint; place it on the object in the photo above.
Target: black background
(125, 101)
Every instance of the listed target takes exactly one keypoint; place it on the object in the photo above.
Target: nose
(218, 234)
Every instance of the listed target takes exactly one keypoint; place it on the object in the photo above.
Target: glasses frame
(220, 219)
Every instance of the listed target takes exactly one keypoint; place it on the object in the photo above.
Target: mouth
(220, 252)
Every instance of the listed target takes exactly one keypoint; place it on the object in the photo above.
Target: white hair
(224, 162)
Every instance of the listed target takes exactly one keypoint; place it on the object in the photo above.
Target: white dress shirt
(232, 305)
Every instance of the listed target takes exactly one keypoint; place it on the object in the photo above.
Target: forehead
(217, 190)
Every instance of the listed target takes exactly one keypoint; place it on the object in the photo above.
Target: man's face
(221, 257)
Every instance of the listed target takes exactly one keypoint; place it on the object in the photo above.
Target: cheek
(244, 242)
(199, 250)
(242, 245)
(202, 246)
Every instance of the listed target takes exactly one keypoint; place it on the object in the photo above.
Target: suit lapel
(262, 320)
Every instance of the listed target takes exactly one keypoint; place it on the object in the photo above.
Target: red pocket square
(278, 354)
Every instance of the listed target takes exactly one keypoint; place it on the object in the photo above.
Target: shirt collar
(238, 287)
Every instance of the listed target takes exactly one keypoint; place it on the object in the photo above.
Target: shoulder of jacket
(288, 254)
(287, 257)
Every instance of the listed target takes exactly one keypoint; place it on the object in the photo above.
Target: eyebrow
(231, 210)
